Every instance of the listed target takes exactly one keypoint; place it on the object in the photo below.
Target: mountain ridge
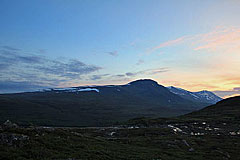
(94, 106)
(200, 96)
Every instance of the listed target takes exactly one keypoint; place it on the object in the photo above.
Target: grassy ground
(116, 143)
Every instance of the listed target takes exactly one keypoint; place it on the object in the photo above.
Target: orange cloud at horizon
(233, 95)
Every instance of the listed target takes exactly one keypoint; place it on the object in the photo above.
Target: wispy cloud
(13, 58)
(147, 72)
(222, 38)
(42, 51)
(228, 93)
(14, 87)
(98, 77)
(71, 69)
(226, 39)
(140, 61)
(167, 44)
(236, 89)
(34, 70)
(44, 65)
(113, 53)
(10, 48)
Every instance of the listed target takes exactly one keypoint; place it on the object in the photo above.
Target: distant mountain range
(100, 105)
(201, 96)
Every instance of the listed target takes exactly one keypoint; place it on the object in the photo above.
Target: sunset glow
(193, 45)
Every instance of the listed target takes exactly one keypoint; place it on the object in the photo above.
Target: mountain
(94, 105)
(201, 96)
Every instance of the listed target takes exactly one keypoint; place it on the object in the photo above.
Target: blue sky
(60, 43)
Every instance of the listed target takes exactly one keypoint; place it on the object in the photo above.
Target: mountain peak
(144, 82)
(176, 88)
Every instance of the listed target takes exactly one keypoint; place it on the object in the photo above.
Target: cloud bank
(27, 72)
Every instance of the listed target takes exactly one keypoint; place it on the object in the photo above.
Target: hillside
(218, 119)
(225, 110)
(94, 105)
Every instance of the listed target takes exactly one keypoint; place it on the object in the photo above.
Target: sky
(189, 44)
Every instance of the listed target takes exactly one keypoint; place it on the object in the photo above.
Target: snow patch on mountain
(88, 89)
(73, 89)
(201, 96)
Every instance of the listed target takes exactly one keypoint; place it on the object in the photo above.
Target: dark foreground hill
(225, 112)
(94, 105)
(212, 133)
